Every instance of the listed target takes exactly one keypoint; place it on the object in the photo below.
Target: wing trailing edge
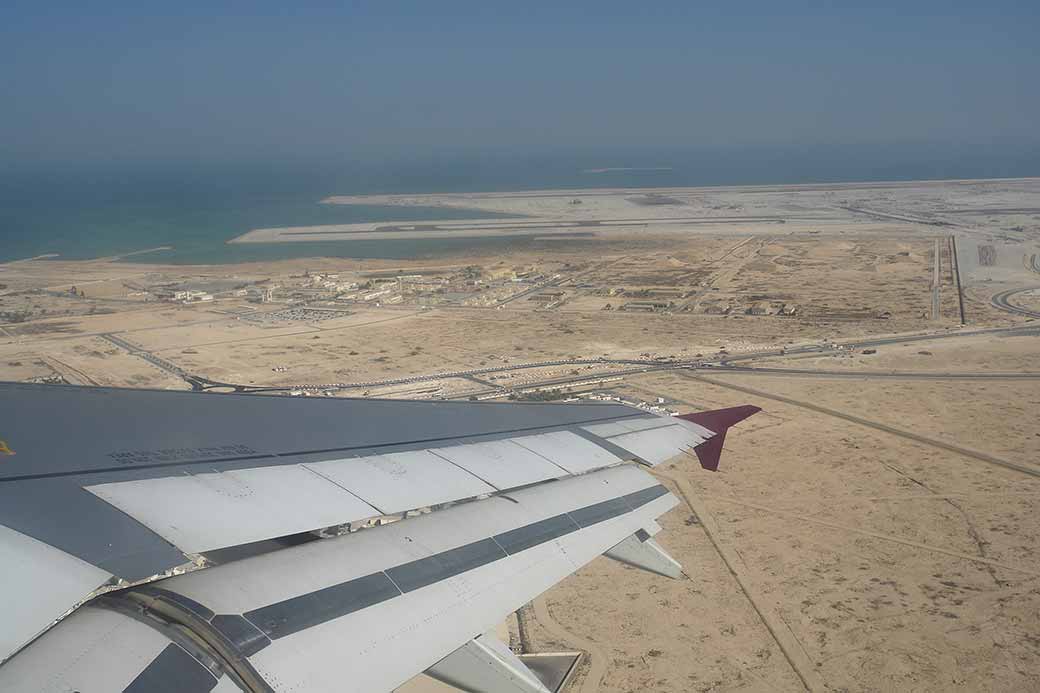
(442, 552)
(639, 550)
(485, 664)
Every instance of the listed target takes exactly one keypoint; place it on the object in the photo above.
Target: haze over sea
(88, 211)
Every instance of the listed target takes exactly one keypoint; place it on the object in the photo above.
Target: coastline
(403, 225)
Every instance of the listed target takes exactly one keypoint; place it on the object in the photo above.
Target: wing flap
(570, 451)
(403, 481)
(203, 512)
(55, 581)
(485, 664)
(447, 577)
(504, 464)
(659, 444)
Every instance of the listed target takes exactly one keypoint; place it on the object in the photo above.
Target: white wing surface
(275, 544)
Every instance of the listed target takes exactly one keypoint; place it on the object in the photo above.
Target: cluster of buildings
(191, 296)
(649, 299)
(185, 294)
(647, 306)
(331, 282)
(548, 299)
(256, 294)
(756, 308)
(471, 285)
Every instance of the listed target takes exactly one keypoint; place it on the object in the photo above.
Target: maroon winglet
(717, 421)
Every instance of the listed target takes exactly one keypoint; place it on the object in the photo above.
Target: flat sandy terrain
(874, 528)
(867, 561)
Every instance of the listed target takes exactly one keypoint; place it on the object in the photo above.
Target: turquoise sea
(81, 211)
(88, 213)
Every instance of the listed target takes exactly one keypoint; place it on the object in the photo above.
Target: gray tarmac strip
(522, 225)
(747, 370)
(478, 381)
(898, 375)
(201, 383)
(994, 210)
(974, 454)
(886, 216)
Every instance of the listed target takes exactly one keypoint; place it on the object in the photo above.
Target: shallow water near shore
(196, 227)
(80, 212)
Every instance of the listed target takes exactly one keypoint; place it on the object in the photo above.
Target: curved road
(1002, 302)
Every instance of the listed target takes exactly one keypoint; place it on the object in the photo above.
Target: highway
(627, 366)
(710, 369)
(151, 358)
(909, 435)
(882, 341)
(699, 369)
(862, 375)
(201, 383)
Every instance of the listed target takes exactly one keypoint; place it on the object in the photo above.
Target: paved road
(165, 365)
(897, 375)
(994, 210)
(881, 341)
(480, 381)
(888, 216)
(1003, 302)
(974, 454)
(631, 365)
(206, 384)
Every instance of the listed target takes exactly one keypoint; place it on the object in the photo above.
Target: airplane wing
(175, 541)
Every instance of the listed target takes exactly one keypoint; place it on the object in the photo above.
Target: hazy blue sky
(186, 80)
